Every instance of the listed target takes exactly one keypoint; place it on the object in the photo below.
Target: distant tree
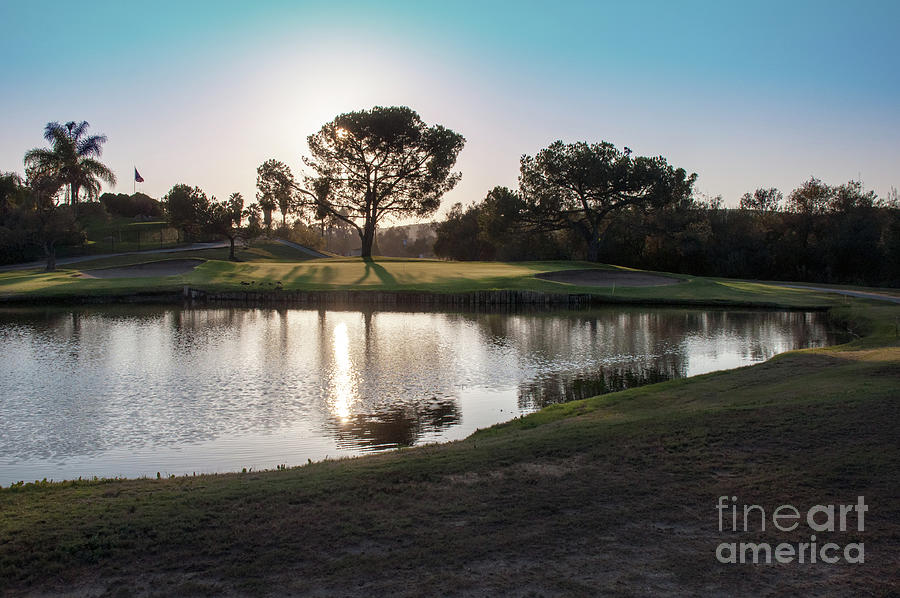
(851, 246)
(380, 163)
(393, 241)
(275, 188)
(11, 191)
(224, 219)
(303, 234)
(890, 210)
(458, 236)
(812, 197)
(253, 214)
(762, 200)
(494, 230)
(806, 206)
(891, 240)
(31, 221)
(235, 208)
(849, 197)
(235, 205)
(130, 206)
(499, 221)
(582, 186)
(71, 158)
(14, 241)
(47, 223)
(187, 208)
(892, 200)
(339, 236)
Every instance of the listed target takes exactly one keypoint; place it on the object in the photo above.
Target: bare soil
(147, 270)
(608, 278)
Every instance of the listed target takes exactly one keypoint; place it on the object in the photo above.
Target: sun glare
(343, 387)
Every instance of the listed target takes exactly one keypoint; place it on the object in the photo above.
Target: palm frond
(97, 170)
(77, 130)
(39, 155)
(90, 146)
(54, 130)
(91, 188)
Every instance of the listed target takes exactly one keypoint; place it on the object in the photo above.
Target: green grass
(613, 495)
(270, 263)
(109, 233)
(99, 226)
(259, 251)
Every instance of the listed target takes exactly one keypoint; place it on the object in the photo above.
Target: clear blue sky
(746, 94)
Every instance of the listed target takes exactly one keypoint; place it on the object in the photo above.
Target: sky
(745, 94)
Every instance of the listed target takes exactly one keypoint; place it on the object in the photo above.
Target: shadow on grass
(380, 271)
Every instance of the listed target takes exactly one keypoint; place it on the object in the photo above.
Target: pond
(134, 390)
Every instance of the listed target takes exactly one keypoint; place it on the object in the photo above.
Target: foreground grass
(264, 266)
(612, 495)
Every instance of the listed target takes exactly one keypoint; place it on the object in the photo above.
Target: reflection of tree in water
(396, 425)
(562, 387)
(667, 338)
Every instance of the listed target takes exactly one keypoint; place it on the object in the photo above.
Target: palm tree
(72, 158)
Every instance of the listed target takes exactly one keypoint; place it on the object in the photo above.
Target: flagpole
(134, 181)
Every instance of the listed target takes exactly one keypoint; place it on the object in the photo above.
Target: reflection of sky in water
(136, 390)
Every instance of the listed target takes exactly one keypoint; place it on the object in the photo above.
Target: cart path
(849, 293)
(192, 247)
(86, 258)
(310, 252)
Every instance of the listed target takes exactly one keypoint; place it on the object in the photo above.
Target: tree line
(364, 169)
(581, 200)
(595, 202)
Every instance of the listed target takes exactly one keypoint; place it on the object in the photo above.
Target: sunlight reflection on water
(343, 386)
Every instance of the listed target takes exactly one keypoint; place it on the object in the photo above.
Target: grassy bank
(612, 495)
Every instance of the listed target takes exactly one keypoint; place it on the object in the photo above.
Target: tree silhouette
(187, 208)
(72, 158)
(225, 219)
(47, 223)
(762, 200)
(380, 163)
(275, 184)
(582, 185)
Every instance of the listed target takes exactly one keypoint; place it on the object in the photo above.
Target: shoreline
(191, 297)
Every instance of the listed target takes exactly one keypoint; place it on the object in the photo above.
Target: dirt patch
(150, 269)
(607, 278)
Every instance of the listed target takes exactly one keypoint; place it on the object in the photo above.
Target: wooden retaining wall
(389, 298)
(475, 300)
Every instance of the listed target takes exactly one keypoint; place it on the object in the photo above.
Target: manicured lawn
(109, 233)
(270, 265)
(259, 251)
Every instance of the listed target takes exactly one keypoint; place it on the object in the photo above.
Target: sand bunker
(607, 278)
(162, 268)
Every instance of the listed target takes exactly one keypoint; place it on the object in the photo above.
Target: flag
(137, 177)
